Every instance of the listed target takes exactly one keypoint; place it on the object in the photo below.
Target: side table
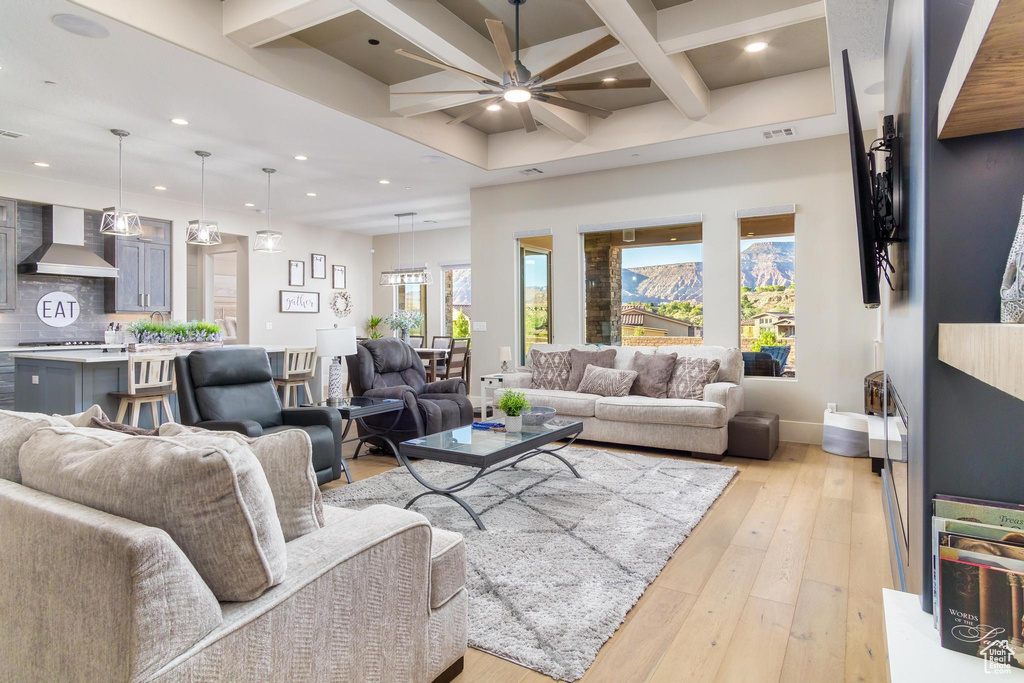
(357, 409)
(492, 382)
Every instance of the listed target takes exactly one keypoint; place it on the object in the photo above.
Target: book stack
(978, 578)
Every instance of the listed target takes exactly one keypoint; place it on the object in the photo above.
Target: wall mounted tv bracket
(886, 194)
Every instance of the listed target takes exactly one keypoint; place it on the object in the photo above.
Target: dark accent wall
(962, 209)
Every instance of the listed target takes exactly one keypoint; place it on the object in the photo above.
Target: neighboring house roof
(636, 316)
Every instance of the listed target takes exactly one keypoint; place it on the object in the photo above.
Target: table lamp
(335, 342)
(505, 356)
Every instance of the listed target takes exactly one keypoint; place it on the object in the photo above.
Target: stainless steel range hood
(64, 251)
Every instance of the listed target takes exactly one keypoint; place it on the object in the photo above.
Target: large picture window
(413, 298)
(768, 295)
(645, 286)
(534, 293)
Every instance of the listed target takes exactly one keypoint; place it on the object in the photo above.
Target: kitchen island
(68, 382)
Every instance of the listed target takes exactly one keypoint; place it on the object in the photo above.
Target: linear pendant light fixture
(118, 220)
(406, 276)
(268, 241)
(202, 232)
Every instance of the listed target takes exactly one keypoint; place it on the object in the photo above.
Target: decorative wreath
(341, 303)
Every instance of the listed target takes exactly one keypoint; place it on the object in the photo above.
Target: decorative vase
(513, 423)
(1011, 292)
(405, 336)
(336, 383)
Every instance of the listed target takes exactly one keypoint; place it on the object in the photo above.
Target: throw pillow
(606, 381)
(550, 370)
(653, 371)
(85, 418)
(287, 460)
(15, 430)
(579, 360)
(120, 427)
(213, 500)
(691, 375)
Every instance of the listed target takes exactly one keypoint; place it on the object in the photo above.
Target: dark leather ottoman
(754, 434)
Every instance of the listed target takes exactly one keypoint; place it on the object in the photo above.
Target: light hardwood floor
(781, 581)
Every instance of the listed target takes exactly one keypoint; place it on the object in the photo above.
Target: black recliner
(233, 390)
(390, 368)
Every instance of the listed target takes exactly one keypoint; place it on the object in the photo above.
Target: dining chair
(458, 352)
(150, 381)
(440, 342)
(299, 365)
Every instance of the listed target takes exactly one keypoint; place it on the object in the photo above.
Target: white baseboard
(800, 432)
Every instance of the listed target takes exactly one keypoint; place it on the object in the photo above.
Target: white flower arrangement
(404, 320)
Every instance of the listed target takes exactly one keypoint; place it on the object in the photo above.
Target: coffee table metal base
(450, 491)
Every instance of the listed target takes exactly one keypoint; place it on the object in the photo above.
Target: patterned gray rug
(563, 559)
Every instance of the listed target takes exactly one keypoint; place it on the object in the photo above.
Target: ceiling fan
(518, 86)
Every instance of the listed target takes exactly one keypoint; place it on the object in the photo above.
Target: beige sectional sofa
(87, 595)
(698, 426)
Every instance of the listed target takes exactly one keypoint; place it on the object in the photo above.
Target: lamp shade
(505, 354)
(336, 341)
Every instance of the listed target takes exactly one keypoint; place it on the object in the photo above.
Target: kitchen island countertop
(115, 354)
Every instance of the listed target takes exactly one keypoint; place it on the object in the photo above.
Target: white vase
(513, 425)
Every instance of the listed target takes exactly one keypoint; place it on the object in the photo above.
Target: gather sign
(58, 309)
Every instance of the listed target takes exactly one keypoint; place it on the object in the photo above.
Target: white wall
(433, 247)
(835, 331)
(261, 278)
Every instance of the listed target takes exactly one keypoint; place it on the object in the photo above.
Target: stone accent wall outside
(603, 268)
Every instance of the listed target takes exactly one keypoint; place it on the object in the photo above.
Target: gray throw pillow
(653, 371)
(691, 375)
(550, 370)
(606, 381)
(579, 360)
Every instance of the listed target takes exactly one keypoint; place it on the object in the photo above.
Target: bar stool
(299, 365)
(150, 380)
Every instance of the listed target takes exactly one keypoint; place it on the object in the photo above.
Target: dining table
(430, 358)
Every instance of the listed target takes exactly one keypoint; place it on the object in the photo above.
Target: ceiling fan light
(517, 95)
(494, 107)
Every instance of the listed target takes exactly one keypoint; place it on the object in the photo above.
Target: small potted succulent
(513, 404)
(402, 321)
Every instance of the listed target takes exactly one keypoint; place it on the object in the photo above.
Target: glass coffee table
(486, 451)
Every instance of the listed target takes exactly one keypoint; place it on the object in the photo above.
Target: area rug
(563, 559)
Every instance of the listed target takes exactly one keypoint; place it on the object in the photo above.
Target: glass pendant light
(406, 276)
(118, 220)
(202, 232)
(268, 241)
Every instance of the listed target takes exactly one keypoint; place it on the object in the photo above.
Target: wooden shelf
(991, 352)
(984, 91)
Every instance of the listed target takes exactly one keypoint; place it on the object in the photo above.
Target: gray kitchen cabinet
(8, 254)
(143, 284)
(158, 277)
(8, 213)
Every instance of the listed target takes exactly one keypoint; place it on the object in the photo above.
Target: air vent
(531, 171)
(10, 134)
(777, 133)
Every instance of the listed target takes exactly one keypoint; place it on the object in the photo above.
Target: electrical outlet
(832, 407)
(479, 326)
(270, 326)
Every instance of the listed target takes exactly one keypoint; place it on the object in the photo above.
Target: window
(413, 298)
(645, 286)
(768, 295)
(458, 309)
(534, 292)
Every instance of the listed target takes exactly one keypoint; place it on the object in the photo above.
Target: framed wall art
(318, 269)
(296, 273)
(340, 279)
(300, 302)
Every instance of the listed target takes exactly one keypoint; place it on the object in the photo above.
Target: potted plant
(402, 321)
(513, 404)
(154, 336)
(372, 323)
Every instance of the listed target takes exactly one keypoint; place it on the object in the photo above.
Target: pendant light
(268, 241)
(118, 220)
(202, 232)
(413, 275)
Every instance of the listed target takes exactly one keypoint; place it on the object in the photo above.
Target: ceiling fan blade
(576, 106)
(595, 48)
(475, 110)
(500, 40)
(601, 85)
(448, 67)
(446, 92)
(524, 111)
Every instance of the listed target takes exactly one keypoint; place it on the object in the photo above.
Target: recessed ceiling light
(756, 46)
(373, 41)
(408, 188)
(610, 79)
(179, 122)
(432, 159)
(80, 26)
(494, 107)
(301, 157)
(384, 181)
(41, 164)
(161, 188)
(750, 234)
(311, 194)
(249, 205)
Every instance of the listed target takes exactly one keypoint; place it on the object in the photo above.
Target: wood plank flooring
(781, 581)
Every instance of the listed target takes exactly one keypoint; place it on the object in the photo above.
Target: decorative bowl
(537, 415)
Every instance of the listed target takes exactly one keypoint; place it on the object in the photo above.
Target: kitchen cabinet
(143, 284)
(8, 254)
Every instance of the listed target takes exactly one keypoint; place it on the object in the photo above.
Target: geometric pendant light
(118, 220)
(202, 232)
(268, 241)
(412, 275)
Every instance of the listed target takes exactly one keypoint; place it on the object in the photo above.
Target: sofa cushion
(653, 371)
(730, 359)
(212, 499)
(607, 381)
(15, 430)
(568, 403)
(579, 361)
(669, 411)
(550, 370)
(85, 418)
(286, 458)
(691, 375)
